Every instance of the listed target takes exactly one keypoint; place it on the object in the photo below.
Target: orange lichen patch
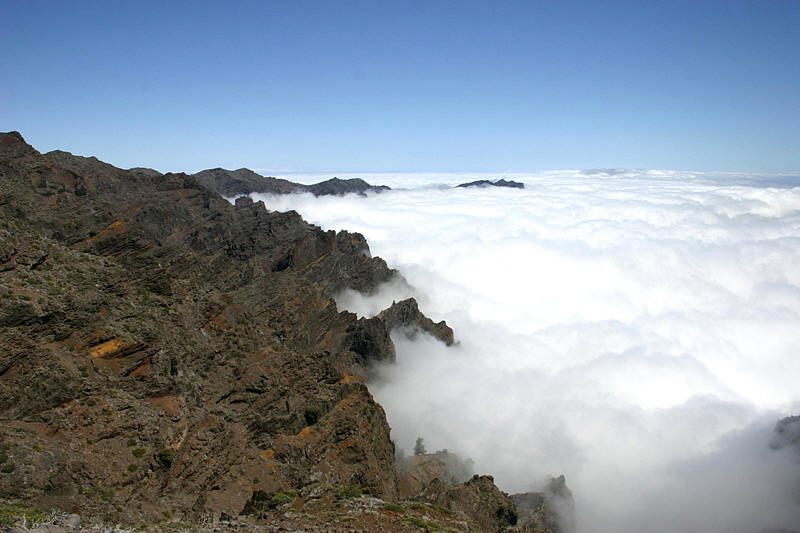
(168, 404)
(350, 379)
(115, 228)
(267, 454)
(305, 433)
(105, 348)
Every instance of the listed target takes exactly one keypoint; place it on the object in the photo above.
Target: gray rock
(48, 528)
(72, 521)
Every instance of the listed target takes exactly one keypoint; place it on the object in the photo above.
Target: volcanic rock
(230, 183)
(164, 353)
(480, 501)
(164, 349)
(406, 314)
(787, 433)
(418, 472)
(496, 183)
(552, 509)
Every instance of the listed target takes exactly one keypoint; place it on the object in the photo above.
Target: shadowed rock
(552, 509)
(496, 183)
(162, 348)
(418, 472)
(231, 183)
(406, 314)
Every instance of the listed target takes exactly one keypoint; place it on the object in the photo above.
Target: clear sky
(407, 86)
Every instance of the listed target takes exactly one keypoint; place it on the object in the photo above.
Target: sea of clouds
(636, 331)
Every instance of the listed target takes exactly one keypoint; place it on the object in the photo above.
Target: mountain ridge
(243, 181)
(167, 353)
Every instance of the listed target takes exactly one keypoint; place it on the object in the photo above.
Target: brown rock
(406, 314)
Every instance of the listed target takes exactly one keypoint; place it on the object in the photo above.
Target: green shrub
(133, 467)
(346, 493)
(8, 468)
(261, 500)
(281, 498)
(131, 442)
(393, 507)
(138, 452)
(165, 457)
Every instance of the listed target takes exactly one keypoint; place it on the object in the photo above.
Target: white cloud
(637, 332)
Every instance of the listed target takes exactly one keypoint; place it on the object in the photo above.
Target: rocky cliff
(167, 355)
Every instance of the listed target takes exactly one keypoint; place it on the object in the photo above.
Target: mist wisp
(636, 331)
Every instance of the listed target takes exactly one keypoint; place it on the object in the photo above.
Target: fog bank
(635, 331)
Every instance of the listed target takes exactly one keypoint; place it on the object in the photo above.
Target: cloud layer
(636, 331)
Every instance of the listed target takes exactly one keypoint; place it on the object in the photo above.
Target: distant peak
(496, 183)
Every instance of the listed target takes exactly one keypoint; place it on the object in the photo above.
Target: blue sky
(407, 86)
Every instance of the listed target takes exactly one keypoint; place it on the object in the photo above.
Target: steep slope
(164, 349)
(164, 353)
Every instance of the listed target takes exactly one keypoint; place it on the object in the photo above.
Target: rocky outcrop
(230, 183)
(338, 187)
(166, 353)
(418, 472)
(787, 434)
(165, 350)
(406, 314)
(478, 500)
(496, 183)
(443, 479)
(552, 509)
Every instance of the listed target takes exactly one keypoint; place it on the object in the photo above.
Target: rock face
(443, 480)
(166, 353)
(552, 509)
(480, 501)
(406, 314)
(496, 183)
(442, 468)
(787, 433)
(231, 183)
(165, 350)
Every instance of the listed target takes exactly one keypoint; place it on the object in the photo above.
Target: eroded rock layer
(165, 354)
